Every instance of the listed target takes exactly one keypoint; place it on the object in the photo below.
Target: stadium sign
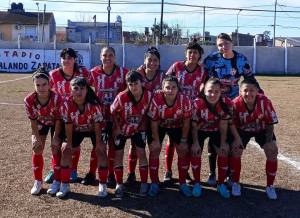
(28, 60)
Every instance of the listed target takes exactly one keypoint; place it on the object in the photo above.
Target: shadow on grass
(170, 203)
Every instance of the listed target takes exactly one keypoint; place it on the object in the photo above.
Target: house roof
(295, 41)
(26, 18)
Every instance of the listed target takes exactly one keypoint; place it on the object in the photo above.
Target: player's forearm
(34, 129)
(195, 132)
(98, 133)
(154, 130)
(269, 133)
(223, 131)
(69, 133)
(185, 128)
(58, 128)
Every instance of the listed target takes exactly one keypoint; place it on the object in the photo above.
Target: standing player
(60, 83)
(82, 116)
(152, 79)
(254, 116)
(42, 107)
(129, 111)
(170, 113)
(211, 115)
(191, 75)
(228, 66)
(108, 80)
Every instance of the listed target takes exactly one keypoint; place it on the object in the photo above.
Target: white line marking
(12, 80)
(280, 156)
(10, 104)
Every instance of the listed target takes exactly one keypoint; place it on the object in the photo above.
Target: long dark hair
(215, 81)
(91, 96)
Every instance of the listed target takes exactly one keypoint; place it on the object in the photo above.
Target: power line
(166, 3)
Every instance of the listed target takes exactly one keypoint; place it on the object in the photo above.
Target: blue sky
(190, 19)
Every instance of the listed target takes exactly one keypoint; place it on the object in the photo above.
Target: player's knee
(236, 151)
(182, 150)
(223, 150)
(155, 149)
(271, 150)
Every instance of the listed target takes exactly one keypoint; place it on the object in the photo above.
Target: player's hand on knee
(37, 146)
(66, 149)
(224, 149)
(196, 150)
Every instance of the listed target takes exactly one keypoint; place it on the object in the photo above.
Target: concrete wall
(269, 60)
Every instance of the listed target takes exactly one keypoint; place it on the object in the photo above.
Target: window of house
(31, 33)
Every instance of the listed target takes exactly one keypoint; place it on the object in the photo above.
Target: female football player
(43, 110)
(170, 113)
(129, 111)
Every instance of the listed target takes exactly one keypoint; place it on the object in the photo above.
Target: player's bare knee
(271, 150)
(223, 150)
(236, 151)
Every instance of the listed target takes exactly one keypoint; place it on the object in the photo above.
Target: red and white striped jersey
(132, 115)
(189, 81)
(45, 114)
(256, 120)
(61, 85)
(155, 83)
(170, 116)
(83, 121)
(208, 117)
(108, 86)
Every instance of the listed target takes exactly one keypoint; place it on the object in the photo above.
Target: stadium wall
(269, 60)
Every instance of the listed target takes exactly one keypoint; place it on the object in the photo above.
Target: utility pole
(237, 28)
(108, 22)
(43, 33)
(161, 21)
(274, 27)
(38, 24)
(203, 31)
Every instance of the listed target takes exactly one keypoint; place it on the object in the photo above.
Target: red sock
(103, 173)
(65, 173)
(183, 167)
(55, 161)
(144, 174)
(235, 167)
(154, 165)
(119, 174)
(271, 169)
(132, 159)
(111, 155)
(170, 149)
(196, 168)
(93, 162)
(37, 166)
(75, 159)
(222, 168)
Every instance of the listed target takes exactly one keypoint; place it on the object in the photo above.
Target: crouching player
(254, 116)
(211, 114)
(42, 107)
(129, 111)
(170, 113)
(83, 118)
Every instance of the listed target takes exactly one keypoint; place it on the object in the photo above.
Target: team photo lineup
(216, 98)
